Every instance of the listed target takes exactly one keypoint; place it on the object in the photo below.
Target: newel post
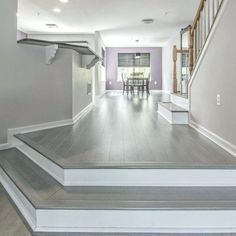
(191, 42)
(175, 69)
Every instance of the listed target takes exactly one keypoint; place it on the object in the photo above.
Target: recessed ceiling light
(64, 1)
(147, 21)
(57, 10)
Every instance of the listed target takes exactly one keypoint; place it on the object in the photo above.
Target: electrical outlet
(218, 100)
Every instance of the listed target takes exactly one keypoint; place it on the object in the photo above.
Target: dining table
(141, 83)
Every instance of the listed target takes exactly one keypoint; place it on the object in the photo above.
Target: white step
(180, 101)
(143, 175)
(48, 207)
(173, 114)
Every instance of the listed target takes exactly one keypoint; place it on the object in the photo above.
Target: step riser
(131, 177)
(121, 221)
(138, 221)
(175, 118)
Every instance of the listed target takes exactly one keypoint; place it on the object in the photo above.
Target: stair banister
(201, 28)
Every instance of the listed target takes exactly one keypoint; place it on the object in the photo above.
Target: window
(132, 63)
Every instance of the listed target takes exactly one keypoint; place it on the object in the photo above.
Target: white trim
(229, 147)
(37, 127)
(210, 37)
(22, 203)
(82, 113)
(43, 126)
(5, 146)
(137, 221)
(174, 118)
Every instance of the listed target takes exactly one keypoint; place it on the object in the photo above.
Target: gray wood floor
(127, 132)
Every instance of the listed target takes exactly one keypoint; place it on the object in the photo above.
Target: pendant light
(137, 54)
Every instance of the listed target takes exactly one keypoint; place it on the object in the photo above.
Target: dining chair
(126, 86)
(145, 86)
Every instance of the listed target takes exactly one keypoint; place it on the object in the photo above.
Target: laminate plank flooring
(123, 132)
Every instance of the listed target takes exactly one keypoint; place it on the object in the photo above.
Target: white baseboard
(43, 126)
(81, 114)
(37, 127)
(5, 146)
(229, 147)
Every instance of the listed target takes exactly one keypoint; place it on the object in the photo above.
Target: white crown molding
(227, 146)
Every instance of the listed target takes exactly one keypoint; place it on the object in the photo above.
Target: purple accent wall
(112, 63)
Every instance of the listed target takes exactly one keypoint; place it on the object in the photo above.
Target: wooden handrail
(198, 15)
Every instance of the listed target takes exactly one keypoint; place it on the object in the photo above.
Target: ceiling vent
(52, 26)
(148, 21)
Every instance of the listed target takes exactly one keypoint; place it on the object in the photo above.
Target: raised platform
(123, 171)
(129, 146)
(45, 203)
(173, 113)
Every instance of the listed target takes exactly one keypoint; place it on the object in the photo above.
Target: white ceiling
(119, 21)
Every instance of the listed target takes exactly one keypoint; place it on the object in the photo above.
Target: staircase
(49, 206)
(198, 36)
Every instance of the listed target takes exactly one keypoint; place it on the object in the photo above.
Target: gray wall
(217, 75)
(100, 70)
(95, 43)
(31, 92)
(167, 63)
(80, 79)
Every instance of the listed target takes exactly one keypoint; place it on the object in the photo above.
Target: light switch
(218, 100)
